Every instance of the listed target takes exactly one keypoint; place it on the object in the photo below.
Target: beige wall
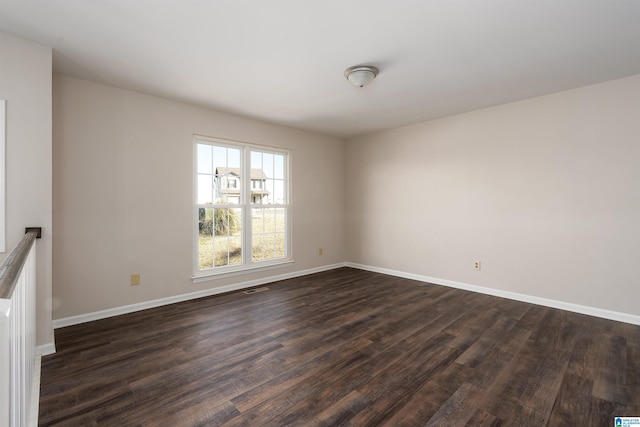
(544, 192)
(25, 83)
(123, 194)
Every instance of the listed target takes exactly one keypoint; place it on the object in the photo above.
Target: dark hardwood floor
(344, 347)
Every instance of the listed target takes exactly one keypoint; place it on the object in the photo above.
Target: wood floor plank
(573, 402)
(390, 392)
(343, 347)
(288, 383)
(484, 419)
(426, 400)
(458, 409)
(341, 412)
(486, 341)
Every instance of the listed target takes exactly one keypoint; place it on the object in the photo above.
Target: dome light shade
(361, 75)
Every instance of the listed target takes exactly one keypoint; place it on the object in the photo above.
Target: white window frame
(247, 265)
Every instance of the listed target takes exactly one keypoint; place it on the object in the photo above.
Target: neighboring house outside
(227, 185)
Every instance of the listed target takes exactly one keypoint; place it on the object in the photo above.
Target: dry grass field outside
(268, 241)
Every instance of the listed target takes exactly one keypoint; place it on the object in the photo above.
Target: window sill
(209, 275)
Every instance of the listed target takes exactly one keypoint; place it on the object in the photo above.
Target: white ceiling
(282, 61)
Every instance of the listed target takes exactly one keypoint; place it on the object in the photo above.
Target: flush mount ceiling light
(361, 75)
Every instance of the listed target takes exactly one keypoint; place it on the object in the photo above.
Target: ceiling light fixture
(361, 75)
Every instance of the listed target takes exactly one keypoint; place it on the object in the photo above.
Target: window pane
(227, 185)
(220, 156)
(205, 159)
(235, 250)
(220, 237)
(257, 252)
(221, 250)
(269, 221)
(279, 250)
(227, 221)
(267, 233)
(234, 157)
(227, 172)
(227, 157)
(280, 220)
(259, 194)
(205, 219)
(278, 168)
(270, 191)
(205, 238)
(278, 192)
(205, 252)
(205, 189)
(256, 160)
(267, 164)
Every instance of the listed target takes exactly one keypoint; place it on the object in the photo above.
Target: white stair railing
(17, 332)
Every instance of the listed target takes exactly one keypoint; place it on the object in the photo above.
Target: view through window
(242, 206)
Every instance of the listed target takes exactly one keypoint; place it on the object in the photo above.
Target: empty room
(320, 213)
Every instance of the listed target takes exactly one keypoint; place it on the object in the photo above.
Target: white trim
(205, 277)
(45, 349)
(103, 314)
(576, 308)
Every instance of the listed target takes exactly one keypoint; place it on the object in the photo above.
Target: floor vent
(255, 290)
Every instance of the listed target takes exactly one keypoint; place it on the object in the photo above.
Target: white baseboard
(45, 349)
(103, 314)
(576, 308)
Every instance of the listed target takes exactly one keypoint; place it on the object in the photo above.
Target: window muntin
(242, 201)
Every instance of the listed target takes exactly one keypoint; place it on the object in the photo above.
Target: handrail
(18, 331)
(12, 265)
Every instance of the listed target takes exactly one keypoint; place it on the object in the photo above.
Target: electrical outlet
(320, 251)
(135, 279)
(476, 265)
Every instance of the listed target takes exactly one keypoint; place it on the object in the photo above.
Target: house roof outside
(255, 173)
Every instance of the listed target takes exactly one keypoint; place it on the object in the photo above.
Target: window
(241, 211)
